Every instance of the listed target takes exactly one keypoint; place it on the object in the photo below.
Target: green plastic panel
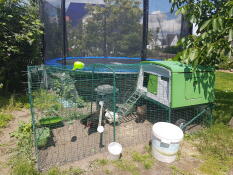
(175, 66)
(153, 84)
(192, 88)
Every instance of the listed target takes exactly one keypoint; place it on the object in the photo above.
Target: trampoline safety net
(110, 28)
(66, 106)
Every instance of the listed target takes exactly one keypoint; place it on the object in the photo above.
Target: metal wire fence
(65, 108)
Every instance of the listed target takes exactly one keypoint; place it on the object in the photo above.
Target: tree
(19, 37)
(112, 29)
(213, 43)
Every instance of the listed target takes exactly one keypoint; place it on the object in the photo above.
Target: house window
(150, 81)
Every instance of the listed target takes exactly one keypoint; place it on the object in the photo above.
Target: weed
(71, 171)
(146, 159)
(148, 149)
(42, 136)
(24, 136)
(47, 102)
(54, 171)
(4, 119)
(127, 165)
(23, 166)
(102, 162)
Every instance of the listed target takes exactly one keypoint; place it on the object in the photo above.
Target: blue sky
(159, 5)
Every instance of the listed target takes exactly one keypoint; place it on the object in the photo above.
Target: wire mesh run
(66, 106)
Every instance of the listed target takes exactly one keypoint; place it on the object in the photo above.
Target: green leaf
(193, 19)
(231, 12)
(215, 24)
(230, 38)
(220, 23)
(205, 25)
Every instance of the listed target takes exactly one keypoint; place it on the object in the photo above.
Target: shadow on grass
(223, 110)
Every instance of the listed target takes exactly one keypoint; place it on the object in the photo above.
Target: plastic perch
(100, 128)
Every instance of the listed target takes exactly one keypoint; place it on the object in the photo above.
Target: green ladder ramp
(125, 108)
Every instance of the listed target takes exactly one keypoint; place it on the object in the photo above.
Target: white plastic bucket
(166, 139)
(115, 150)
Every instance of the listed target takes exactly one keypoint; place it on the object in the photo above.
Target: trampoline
(120, 63)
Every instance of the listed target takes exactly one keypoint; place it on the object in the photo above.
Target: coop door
(193, 88)
(151, 82)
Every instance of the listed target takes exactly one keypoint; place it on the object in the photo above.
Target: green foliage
(24, 167)
(20, 32)
(146, 159)
(214, 19)
(64, 85)
(74, 116)
(227, 65)
(24, 137)
(47, 102)
(101, 162)
(42, 136)
(110, 25)
(215, 146)
(13, 102)
(47, 121)
(223, 109)
(4, 119)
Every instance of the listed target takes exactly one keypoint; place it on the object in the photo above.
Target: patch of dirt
(187, 162)
(7, 143)
(62, 148)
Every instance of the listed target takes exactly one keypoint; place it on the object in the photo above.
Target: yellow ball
(78, 65)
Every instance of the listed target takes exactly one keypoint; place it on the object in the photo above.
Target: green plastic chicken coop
(175, 85)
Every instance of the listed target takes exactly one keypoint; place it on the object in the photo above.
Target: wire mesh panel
(68, 106)
(51, 16)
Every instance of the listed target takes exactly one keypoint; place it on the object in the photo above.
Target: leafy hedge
(20, 33)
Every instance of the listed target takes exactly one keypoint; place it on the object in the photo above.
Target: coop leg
(101, 145)
(169, 115)
(211, 114)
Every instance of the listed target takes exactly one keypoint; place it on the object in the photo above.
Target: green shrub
(42, 136)
(24, 167)
(46, 100)
(24, 137)
(20, 33)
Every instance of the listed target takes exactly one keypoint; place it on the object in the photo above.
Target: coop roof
(176, 66)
